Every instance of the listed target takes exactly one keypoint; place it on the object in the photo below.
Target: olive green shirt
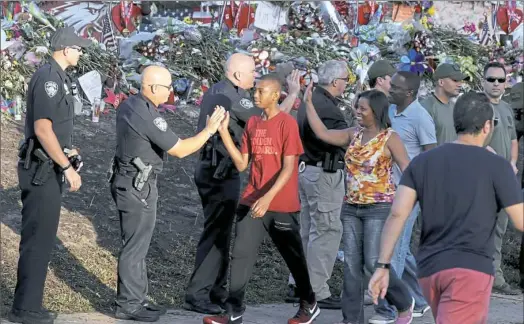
(505, 131)
(442, 115)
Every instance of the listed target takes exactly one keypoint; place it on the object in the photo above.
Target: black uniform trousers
(219, 201)
(40, 217)
(137, 214)
(284, 230)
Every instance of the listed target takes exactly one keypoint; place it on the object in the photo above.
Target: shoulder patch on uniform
(246, 103)
(160, 123)
(51, 88)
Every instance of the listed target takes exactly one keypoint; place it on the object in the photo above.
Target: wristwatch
(380, 265)
(63, 169)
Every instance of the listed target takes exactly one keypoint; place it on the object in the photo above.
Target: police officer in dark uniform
(143, 137)
(46, 158)
(218, 184)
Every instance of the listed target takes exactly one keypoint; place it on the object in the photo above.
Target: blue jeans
(362, 229)
(403, 262)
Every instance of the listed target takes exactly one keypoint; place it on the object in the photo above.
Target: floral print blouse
(369, 170)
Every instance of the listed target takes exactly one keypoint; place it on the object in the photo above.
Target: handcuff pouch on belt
(143, 174)
(25, 151)
(44, 168)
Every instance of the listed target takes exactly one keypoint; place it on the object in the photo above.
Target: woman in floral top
(372, 148)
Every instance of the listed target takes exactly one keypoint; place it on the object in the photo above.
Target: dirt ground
(82, 273)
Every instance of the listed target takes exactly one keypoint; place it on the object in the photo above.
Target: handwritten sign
(269, 17)
(91, 84)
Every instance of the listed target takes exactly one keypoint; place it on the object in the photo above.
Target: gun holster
(223, 169)
(44, 168)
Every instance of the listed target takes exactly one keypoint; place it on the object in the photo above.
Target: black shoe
(51, 314)
(141, 314)
(331, 302)
(154, 307)
(203, 307)
(29, 317)
(292, 295)
(505, 289)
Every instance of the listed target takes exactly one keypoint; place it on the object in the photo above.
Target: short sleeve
(245, 147)
(426, 129)
(292, 144)
(159, 133)
(507, 189)
(47, 94)
(408, 178)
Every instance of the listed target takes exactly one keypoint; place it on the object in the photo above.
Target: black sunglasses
(492, 80)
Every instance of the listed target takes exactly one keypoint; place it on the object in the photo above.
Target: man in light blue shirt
(416, 128)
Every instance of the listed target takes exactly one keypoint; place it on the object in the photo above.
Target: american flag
(108, 38)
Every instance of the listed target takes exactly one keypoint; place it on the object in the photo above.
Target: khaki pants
(321, 197)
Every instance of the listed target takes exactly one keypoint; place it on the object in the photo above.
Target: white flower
(8, 84)
(41, 50)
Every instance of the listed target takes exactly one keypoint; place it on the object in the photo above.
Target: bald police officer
(143, 137)
(218, 185)
(42, 168)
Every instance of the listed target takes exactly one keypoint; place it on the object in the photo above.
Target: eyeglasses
(492, 80)
(76, 48)
(170, 87)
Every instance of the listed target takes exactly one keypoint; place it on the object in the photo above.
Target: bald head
(240, 69)
(156, 84)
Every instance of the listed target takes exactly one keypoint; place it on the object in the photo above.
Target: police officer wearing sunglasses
(42, 171)
(505, 144)
(143, 138)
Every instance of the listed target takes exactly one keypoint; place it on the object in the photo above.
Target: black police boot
(154, 307)
(203, 307)
(141, 314)
(29, 317)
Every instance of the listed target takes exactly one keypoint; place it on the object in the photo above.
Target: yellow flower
(431, 11)
(188, 20)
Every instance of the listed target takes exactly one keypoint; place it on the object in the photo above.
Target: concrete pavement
(503, 310)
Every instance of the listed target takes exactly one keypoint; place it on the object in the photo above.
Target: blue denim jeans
(362, 229)
(403, 262)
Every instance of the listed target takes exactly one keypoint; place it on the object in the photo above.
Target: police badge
(51, 88)
(246, 103)
(160, 123)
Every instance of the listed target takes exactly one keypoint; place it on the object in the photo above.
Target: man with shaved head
(143, 138)
(218, 184)
(270, 201)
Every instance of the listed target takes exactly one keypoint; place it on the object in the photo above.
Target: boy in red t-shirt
(272, 143)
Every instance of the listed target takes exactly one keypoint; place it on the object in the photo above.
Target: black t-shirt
(141, 132)
(460, 189)
(327, 109)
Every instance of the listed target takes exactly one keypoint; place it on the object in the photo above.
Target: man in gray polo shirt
(505, 144)
(416, 129)
(448, 79)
